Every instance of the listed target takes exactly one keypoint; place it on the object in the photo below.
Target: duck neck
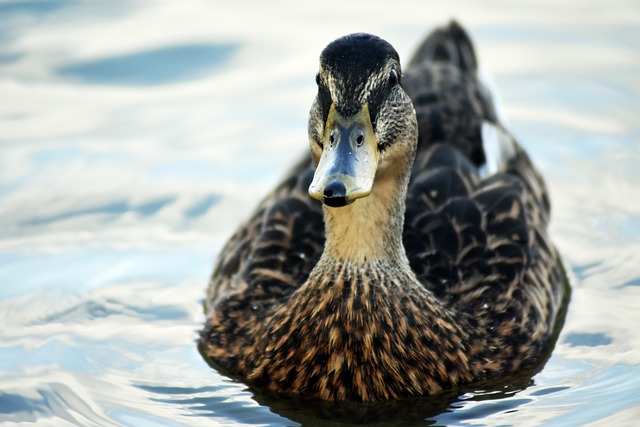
(369, 229)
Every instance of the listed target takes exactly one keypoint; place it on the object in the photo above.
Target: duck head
(362, 124)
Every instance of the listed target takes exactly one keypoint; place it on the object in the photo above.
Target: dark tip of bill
(336, 202)
(335, 194)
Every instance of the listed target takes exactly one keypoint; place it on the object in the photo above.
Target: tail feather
(450, 101)
(448, 44)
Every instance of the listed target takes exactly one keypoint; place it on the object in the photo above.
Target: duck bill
(349, 159)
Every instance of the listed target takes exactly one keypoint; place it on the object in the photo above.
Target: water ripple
(109, 210)
(152, 67)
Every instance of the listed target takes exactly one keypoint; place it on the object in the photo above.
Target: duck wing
(477, 209)
(273, 252)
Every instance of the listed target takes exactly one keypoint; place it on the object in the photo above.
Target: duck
(406, 254)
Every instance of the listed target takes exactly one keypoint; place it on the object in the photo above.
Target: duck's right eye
(393, 77)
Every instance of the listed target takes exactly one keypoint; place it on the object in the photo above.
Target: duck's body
(438, 275)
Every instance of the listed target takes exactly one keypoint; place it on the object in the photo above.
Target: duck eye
(393, 77)
(360, 140)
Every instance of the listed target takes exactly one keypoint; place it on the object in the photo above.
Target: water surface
(135, 136)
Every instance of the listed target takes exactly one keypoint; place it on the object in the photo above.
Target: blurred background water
(135, 135)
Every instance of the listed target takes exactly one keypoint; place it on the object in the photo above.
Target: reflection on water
(135, 136)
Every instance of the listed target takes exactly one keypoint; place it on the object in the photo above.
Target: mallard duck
(408, 254)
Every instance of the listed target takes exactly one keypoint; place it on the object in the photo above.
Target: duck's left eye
(393, 77)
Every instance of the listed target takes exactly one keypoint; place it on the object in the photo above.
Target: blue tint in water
(582, 271)
(586, 339)
(202, 206)
(14, 14)
(152, 207)
(633, 282)
(19, 408)
(548, 390)
(603, 394)
(9, 57)
(32, 7)
(55, 352)
(11, 403)
(64, 155)
(109, 210)
(94, 267)
(483, 410)
(152, 67)
(56, 401)
(214, 403)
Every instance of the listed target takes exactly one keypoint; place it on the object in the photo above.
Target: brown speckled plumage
(442, 276)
